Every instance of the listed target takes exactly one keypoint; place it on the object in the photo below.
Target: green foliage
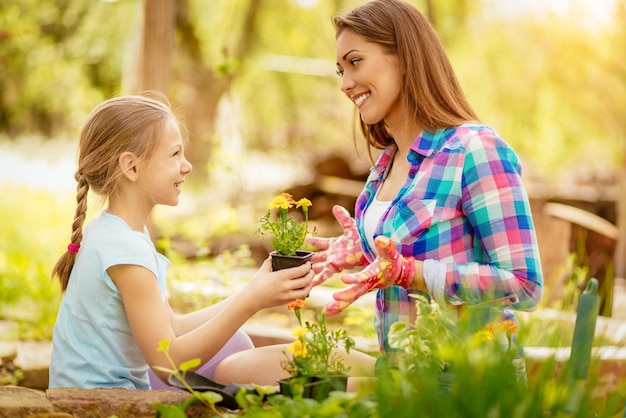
(359, 321)
(576, 280)
(550, 86)
(209, 399)
(314, 353)
(58, 60)
(287, 233)
(444, 372)
(32, 241)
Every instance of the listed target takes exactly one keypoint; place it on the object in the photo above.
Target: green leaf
(210, 397)
(164, 345)
(189, 364)
(170, 411)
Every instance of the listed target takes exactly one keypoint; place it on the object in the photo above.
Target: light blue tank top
(92, 344)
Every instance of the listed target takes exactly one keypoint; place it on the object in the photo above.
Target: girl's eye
(339, 72)
(355, 61)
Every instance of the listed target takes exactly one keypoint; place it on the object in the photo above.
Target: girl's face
(371, 78)
(165, 171)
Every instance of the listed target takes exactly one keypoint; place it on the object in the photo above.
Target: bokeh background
(254, 82)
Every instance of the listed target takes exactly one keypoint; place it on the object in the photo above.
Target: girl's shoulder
(111, 234)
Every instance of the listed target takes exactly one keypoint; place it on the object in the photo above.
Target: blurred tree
(202, 78)
(551, 86)
(56, 60)
(154, 68)
(555, 91)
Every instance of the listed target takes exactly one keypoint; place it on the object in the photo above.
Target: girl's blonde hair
(432, 95)
(122, 124)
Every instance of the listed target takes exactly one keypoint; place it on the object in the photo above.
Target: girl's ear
(128, 165)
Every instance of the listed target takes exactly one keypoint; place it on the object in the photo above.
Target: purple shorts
(238, 342)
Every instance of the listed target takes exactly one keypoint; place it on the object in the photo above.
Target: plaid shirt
(464, 205)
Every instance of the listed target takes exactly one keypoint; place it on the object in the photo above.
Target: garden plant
(287, 233)
(440, 371)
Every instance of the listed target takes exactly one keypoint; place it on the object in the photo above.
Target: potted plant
(312, 361)
(287, 234)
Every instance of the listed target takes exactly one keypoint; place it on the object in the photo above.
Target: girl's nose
(187, 167)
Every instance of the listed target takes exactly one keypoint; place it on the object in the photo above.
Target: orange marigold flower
(289, 198)
(509, 326)
(296, 304)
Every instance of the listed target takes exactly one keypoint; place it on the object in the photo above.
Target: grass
(34, 228)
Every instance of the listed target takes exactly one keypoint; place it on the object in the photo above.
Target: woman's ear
(128, 165)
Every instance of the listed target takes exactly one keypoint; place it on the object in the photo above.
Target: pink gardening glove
(390, 268)
(339, 253)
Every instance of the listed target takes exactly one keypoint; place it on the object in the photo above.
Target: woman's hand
(338, 253)
(388, 269)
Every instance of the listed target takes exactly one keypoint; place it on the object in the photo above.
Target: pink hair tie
(73, 248)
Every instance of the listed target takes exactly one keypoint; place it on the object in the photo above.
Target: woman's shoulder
(475, 137)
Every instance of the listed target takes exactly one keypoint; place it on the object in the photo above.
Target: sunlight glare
(306, 4)
(593, 11)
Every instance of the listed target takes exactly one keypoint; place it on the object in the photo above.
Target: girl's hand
(388, 269)
(269, 288)
(338, 253)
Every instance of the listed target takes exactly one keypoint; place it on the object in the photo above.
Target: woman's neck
(403, 132)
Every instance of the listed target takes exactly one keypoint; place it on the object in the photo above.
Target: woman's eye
(339, 72)
(355, 61)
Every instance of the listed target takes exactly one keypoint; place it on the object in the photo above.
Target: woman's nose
(347, 83)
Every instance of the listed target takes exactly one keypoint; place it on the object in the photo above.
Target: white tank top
(372, 217)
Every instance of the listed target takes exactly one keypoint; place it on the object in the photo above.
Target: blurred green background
(255, 83)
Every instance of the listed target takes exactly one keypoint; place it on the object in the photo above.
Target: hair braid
(64, 266)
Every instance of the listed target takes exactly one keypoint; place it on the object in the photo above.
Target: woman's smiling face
(371, 78)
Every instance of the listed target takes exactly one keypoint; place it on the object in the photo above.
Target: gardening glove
(339, 253)
(388, 269)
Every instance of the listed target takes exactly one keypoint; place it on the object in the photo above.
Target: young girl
(114, 311)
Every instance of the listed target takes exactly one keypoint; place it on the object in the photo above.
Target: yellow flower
(298, 349)
(304, 203)
(299, 332)
(287, 234)
(484, 335)
(280, 202)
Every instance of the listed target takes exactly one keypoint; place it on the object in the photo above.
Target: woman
(444, 210)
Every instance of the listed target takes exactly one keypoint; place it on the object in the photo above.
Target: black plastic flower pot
(280, 261)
